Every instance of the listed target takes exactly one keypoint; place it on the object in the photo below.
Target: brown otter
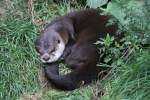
(81, 29)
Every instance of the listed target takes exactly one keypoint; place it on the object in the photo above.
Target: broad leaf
(96, 3)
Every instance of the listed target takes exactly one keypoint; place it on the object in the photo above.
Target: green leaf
(107, 59)
(108, 40)
(96, 3)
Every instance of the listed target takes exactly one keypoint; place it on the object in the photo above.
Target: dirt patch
(36, 96)
(4, 4)
(2, 11)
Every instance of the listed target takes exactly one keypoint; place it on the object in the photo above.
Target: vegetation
(20, 23)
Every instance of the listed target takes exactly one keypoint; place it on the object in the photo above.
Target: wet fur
(81, 55)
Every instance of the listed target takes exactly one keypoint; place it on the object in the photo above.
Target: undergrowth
(129, 78)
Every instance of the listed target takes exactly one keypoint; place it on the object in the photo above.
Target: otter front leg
(71, 80)
(52, 67)
(61, 82)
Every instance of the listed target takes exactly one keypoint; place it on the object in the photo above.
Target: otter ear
(68, 25)
(71, 32)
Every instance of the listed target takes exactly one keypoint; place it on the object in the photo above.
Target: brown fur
(81, 55)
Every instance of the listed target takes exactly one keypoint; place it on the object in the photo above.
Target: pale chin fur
(57, 54)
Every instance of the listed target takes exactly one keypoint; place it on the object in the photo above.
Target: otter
(71, 38)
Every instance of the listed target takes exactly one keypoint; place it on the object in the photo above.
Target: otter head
(50, 46)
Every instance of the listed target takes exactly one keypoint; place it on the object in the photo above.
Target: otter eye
(58, 41)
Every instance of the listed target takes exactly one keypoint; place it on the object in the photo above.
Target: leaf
(108, 40)
(96, 3)
(107, 59)
(119, 62)
(97, 42)
(119, 14)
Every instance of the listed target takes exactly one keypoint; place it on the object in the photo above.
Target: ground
(21, 77)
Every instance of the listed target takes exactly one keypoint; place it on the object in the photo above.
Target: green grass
(130, 81)
(19, 64)
(18, 61)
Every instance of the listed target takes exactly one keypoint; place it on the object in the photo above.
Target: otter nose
(46, 57)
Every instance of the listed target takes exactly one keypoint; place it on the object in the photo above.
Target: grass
(20, 66)
(18, 60)
(130, 81)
